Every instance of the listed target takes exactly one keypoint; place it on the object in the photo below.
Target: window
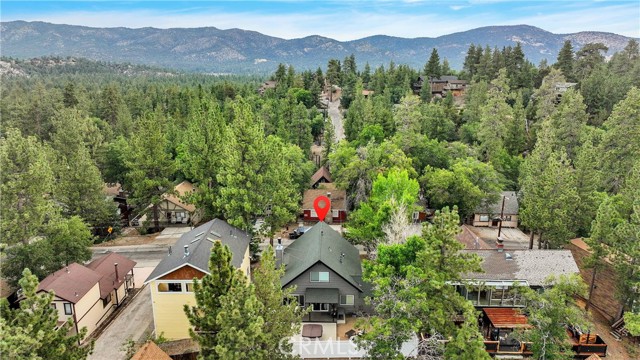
(347, 299)
(507, 218)
(299, 299)
(189, 287)
(319, 276)
(68, 309)
(335, 213)
(106, 301)
(321, 307)
(53, 305)
(170, 287)
(484, 217)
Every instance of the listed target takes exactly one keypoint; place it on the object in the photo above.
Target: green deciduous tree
(467, 184)
(32, 331)
(391, 192)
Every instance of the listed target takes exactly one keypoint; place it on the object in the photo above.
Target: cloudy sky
(342, 20)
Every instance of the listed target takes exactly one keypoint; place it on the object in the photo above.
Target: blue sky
(342, 20)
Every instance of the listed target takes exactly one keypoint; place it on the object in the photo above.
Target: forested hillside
(573, 157)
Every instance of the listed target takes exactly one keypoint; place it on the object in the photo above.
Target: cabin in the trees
(490, 214)
(326, 270)
(172, 209)
(172, 280)
(504, 269)
(441, 86)
(321, 176)
(271, 84)
(338, 211)
(119, 196)
(88, 294)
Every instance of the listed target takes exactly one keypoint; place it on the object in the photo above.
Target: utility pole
(501, 216)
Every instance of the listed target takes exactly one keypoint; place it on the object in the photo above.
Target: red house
(338, 210)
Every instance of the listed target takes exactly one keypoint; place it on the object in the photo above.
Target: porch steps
(509, 357)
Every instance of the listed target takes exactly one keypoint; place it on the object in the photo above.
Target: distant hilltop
(210, 49)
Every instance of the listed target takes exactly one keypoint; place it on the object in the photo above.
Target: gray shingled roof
(322, 244)
(511, 205)
(200, 240)
(534, 266)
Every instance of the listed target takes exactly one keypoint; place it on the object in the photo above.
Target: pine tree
(281, 313)
(150, 164)
(32, 332)
(565, 60)
(26, 184)
(432, 68)
(227, 317)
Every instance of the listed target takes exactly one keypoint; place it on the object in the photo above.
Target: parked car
(297, 232)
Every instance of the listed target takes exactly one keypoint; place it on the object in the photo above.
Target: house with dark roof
(321, 176)
(494, 287)
(489, 214)
(89, 294)
(338, 208)
(327, 273)
(171, 281)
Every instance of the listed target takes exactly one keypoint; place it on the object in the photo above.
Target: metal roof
(322, 295)
(199, 242)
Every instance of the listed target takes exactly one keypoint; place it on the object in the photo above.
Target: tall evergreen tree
(566, 60)
(150, 164)
(227, 317)
(433, 69)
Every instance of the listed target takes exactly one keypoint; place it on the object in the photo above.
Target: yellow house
(89, 294)
(172, 280)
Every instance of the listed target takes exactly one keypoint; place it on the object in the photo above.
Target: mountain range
(214, 50)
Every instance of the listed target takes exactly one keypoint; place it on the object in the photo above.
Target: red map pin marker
(322, 204)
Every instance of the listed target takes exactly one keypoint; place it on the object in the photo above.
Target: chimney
(186, 250)
(279, 253)
(117, 277)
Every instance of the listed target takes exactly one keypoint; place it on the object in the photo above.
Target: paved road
(336, 118)
(133, 323)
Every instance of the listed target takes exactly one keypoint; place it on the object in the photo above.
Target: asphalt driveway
(134, 322)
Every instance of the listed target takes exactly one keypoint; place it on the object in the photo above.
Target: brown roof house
(489, 214)
(173, 210)
(150, 351)
(88, 294)
(338, 210)
(321, 176)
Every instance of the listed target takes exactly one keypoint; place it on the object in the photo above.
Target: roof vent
(186, 250)
(67, 268)
(329, 195)
(341, 257)
(508, 256)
